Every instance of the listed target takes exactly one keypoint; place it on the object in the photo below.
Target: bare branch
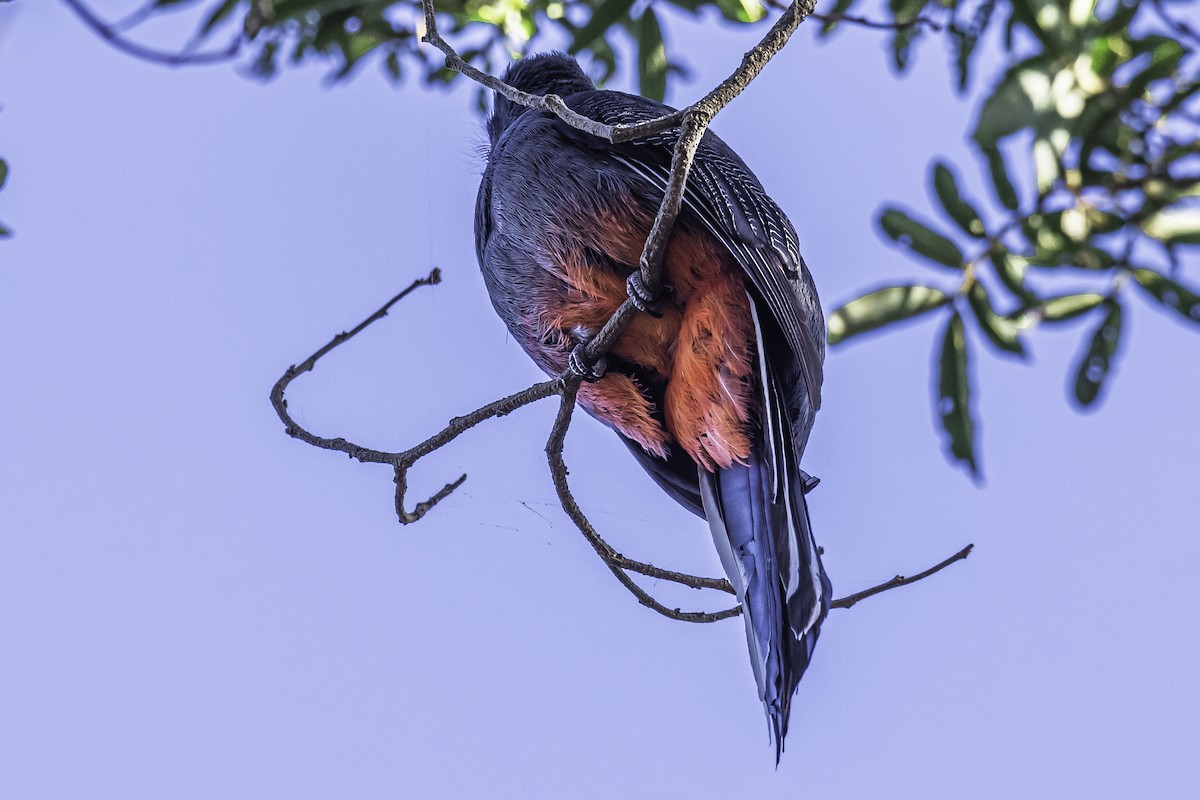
(457, 427)
(756, 58)
(135, 17)
(551, 102)
(850, 600)
(862, 21)
(432, 279)
(693, 122)
(704, 109)
(618, 564)
(112, 34)
(566, 386)
(401, 461)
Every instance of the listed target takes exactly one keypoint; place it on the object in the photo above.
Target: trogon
(715, 390)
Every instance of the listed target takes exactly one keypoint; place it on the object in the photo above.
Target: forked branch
(692, 121)
(895, 583)
(565, 387)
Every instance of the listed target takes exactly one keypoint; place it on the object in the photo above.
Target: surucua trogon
(715, 392)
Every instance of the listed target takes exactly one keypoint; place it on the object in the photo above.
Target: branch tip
(112, 33)
(849, 601)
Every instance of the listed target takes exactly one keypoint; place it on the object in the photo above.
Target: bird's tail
(759, 521)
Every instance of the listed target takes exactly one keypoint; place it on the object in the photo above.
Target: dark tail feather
(759, 521)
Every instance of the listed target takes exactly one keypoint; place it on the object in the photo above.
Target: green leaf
(603, 18)
(264, 64)
(1121, 17)
(1069, 306)
(1010, 269)
(1094, 366)
(3, 172)
(1165, 54)
(834, 16)
(882, 307)
(218, 16)
(958, 209)
(1108, 52)
(741, 10)
(603, 56)
(1170, 225)
(1025, 12)
(1174, 296)
(920, 238)
(4, 232)
(1102, 124)
(652, 56)
(392, 63)
(354, 47)
(1017, 101)
(1061, 239)
(964, 45)
(1005, 193)
(1000, 331)
(904, 11)
(954, 395)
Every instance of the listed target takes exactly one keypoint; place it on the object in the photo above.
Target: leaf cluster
(346, 32)
(1108, 104)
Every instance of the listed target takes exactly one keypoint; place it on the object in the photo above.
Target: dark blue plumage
(560, 218)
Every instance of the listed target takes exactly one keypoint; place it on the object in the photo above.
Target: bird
(714, 391)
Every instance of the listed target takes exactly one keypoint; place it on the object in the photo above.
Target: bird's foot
(577, 362)
(642, 297)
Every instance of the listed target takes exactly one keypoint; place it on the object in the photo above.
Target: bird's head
(546, 73)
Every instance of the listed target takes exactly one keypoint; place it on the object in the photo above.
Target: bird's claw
(642, 298)
(577, 362)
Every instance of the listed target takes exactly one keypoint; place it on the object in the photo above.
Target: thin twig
(402, 461)
(558, 474)
(135, 17)
(850, 600)
(566, 387)
(457, 427)
(551, 102)
(432, 279)
(863, 21)
(112, 35)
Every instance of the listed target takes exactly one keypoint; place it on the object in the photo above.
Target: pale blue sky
(192, 605)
